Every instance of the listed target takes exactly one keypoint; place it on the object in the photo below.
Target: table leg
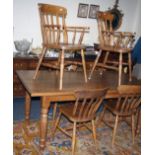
(27, 107)
(45, 104)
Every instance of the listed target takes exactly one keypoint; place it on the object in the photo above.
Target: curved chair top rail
(129, 89)
(52, 9)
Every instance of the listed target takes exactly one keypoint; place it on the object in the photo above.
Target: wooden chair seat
(115, 49)
(68, 47)
(67, 110)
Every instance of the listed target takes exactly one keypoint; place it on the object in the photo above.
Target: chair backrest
(109, 37)
(87, 103)
(52, 20)
(129, 98)
(54, 29)
(104, 20)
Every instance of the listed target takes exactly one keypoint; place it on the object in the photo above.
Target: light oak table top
(47, 82)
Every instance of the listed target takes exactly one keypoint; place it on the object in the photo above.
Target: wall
(27, 25)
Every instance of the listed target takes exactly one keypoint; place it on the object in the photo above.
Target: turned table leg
(45, 104)
(27, 107)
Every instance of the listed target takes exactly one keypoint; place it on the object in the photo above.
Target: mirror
(117, 16)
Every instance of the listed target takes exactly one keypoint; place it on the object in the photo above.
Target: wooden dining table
(46, 86)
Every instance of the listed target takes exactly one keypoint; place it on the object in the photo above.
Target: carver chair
(110, 41)
(127, 105)
(57, 36)
(81, 112)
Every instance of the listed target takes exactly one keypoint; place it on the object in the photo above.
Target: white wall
(27, 25)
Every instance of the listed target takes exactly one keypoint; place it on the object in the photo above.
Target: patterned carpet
(26, 141)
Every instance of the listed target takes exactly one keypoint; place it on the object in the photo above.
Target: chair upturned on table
(111, 41)
(57, 36)
(126, 105)
(81, 112)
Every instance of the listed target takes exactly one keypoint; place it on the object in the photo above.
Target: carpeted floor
(26, 141)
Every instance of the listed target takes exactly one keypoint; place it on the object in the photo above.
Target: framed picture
(93, 10)
(83, 10)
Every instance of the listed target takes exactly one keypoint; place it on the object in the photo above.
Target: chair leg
(133, 128)
(84, 65)
(40, 61)
(114, 130)
(61, 69)
(94, 131)
(106, 58)
(95, 63)
(129, 64)
(74, 138)
(120, 69)
(56, 124)
(138, 123)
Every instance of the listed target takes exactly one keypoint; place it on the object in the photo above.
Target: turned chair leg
(40, 61)
(74, 138)
(105, 58)
(120, 69)
(133, 128)
(138, 123)
(95, 63)
(130, 65)
(56, 124)
(84, 65)
(61, 69)
(94, 131)
(114, 130)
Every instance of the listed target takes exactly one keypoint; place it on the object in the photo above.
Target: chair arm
(118, 38)
(77, 29)
(77, 33)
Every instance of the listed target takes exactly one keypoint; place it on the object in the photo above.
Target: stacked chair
(110, 41)
(56, 35)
